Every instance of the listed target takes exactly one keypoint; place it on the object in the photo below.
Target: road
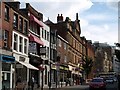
(86, 87)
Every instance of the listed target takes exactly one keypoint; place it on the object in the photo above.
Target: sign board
(19, 66)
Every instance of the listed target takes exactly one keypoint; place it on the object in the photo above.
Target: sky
(98, 18)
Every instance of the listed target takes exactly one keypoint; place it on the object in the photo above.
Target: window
(25, 46)
(15, 21)
(65, 59)
(15, 41)
(65, 46)
(5, 38)
(59, 42)
(25, 26)
(20, 24)
(6, 13)
(20, 44)
(42, 32)
(47, 36)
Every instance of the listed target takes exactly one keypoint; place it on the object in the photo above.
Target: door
(5, 80)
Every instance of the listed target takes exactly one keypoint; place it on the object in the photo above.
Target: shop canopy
(35, 39)
(28, 65)
(33, 18)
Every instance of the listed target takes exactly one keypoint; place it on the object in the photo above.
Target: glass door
(6, 80)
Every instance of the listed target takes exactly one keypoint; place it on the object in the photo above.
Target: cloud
(69, 8)
(102, 33)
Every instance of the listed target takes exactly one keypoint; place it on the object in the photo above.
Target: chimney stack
(59, 18)
(76, 16)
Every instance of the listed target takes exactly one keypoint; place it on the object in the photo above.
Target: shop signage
(19, 66)
(22, 59)
(32, 47)
(7, 58)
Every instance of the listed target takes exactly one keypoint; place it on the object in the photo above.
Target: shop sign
(22, 59)
(53, 67)
(19, 66)
(32, 47)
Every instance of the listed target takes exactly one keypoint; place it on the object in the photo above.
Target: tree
(87, 65)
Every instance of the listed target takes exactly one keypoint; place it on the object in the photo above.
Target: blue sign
(6, 58)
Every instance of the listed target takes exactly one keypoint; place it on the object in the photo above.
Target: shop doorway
(5, 80)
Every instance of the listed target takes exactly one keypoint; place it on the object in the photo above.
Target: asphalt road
(113, 86)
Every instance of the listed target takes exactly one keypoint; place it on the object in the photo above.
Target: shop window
(45, 75)
(6, 13)
(6, 38)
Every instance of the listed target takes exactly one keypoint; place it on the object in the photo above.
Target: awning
(36, 39)
(28, 65)
(33, 18)
(41, 68)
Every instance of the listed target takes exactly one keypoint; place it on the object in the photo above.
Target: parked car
(109, 80)
(97, 83)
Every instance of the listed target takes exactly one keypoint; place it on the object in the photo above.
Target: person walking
(31, 83)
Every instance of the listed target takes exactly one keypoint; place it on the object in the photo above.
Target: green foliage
(87, 65)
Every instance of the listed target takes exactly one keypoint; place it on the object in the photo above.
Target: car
(109, 80)
(97, 83)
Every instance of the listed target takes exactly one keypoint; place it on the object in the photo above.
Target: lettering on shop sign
(22, 59)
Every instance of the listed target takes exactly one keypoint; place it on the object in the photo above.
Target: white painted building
(45, 52)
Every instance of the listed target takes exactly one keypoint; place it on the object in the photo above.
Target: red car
(97, 83)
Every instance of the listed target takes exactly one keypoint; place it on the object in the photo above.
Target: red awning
(40, 68)
(36, 39)
(36, 20)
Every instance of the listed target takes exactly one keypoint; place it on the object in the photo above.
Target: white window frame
(21, 44)
(18, 36)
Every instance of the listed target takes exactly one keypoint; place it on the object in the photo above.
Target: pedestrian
(18, 83)
(81, 80)
(32, 82)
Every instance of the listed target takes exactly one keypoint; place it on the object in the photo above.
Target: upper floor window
(15, 21)
(59, 42)
(45, 35)
(65, 59)
(6, 13)
(15, 41)
(25, 26)
(65, 46)
(42, 33)
(21, 24)
(6, 38)
(48, 35)
(25, 46)
(20, 44)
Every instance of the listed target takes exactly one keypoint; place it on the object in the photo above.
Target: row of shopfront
(13, 66)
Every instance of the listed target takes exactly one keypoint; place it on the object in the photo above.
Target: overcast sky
(98, 18)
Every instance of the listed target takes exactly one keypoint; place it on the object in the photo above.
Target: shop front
(22, 65)
(64, 80)
(37, 62)
(6, 71)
